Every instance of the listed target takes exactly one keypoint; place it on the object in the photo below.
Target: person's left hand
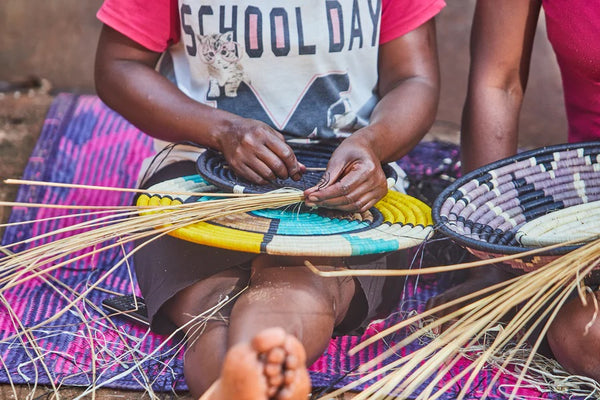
(354, 179)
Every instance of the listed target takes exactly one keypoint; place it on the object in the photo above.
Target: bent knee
(210, 296)
(294, 275)
(301, 286)
(574, 338)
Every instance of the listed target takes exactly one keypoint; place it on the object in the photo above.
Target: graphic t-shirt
(290, 67)
(308, 68)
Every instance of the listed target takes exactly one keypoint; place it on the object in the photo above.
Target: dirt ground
(21, 118)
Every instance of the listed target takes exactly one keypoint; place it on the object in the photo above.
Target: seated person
(242, 79)
(501, 44)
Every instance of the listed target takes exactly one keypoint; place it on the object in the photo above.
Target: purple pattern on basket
(493, 205)
(84, 142)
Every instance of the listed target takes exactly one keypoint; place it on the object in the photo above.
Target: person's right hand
(258, 153)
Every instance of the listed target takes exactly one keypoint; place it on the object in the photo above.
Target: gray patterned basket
(498, 209)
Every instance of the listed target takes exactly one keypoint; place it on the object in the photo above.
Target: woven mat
(84, 142)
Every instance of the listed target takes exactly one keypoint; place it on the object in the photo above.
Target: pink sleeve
(153, 24)
(399, 17)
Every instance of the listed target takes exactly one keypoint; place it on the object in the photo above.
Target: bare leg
(270, 366)
(305, 305)
(576, 351)
(201, 367)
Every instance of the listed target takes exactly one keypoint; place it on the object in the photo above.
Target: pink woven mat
(84, 142)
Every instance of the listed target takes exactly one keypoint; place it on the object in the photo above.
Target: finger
(257, 173)
(284, 153)
(274, 163)
(302, 168)
(339, 197)
(325, 187)
(359, 198)
(334, 188)
(347, 203)
(355, 206)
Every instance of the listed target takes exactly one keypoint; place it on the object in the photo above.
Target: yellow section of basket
(396, 208)
(205, 233)
(404, 209)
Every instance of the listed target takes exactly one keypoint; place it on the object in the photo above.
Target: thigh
(304, 288)
(167, 266)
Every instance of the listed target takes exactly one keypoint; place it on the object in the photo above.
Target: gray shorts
(163, 269)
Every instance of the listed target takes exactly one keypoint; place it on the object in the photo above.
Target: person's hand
(258, 153)
(354, 179)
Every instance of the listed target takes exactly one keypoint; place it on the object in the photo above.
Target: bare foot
(271, 367)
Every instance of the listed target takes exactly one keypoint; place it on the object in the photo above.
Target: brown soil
(21, 118)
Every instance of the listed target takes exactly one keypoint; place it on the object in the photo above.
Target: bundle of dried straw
(538, 296)
(420, 375)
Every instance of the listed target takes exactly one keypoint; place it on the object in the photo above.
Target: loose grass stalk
(31, 340)
(433, 269)
(148, 223)
(428, 313)
(54, 283)
(123, 190)
(544, 291)
(121, 225)
(409, 373)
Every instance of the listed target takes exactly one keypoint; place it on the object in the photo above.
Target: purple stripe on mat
(84, 142)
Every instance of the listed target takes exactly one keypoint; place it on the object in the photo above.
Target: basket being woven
(499, 209)
(396, 222)
(212, 166)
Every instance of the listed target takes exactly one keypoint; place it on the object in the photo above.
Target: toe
(276, 356)
(269, 339)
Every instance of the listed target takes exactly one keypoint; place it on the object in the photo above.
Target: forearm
(158, 107)
(501, 42)
(127, 81)
(401, 118)
(409, 89)
(399, 121)
(489, 126)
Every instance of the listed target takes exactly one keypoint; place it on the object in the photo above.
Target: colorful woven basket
(212, 166)
(396, 222)
(501, 208)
